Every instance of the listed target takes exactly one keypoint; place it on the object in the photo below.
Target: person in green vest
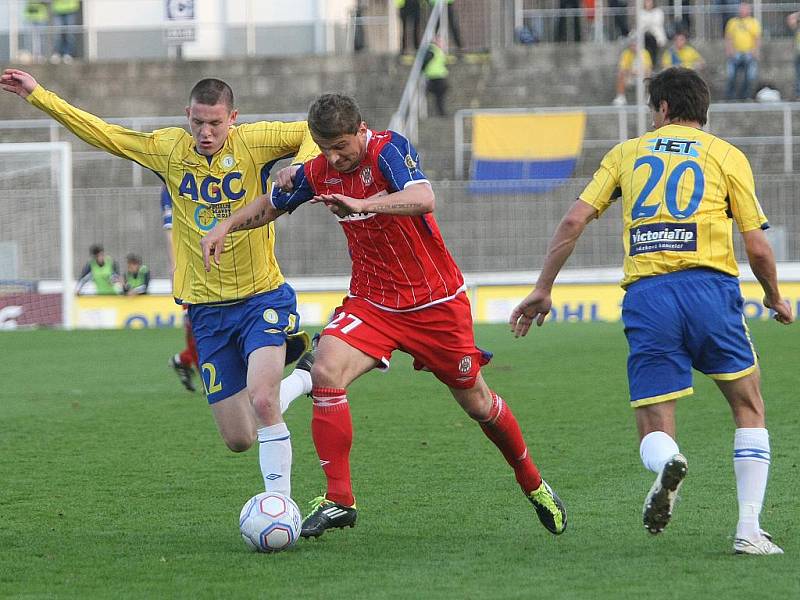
(137, 277)
(434, 67)
(37, 16)
(452, 22)
(101, 270)
(66, 14)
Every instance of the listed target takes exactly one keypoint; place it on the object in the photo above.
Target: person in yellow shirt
(682, 190)
(682, 54)
(242, 310)
(627, 68)
(742, 47)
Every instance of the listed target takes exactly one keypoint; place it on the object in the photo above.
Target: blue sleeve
(166, 208)
(399, 163)
(302, 192)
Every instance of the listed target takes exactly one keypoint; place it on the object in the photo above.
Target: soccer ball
(270, 522)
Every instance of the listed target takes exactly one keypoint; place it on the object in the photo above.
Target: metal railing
(609, 125)
(375, 24)
(412, 103)
(546, 21)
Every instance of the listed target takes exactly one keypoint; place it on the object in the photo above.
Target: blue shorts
(227, 334)
(681, 320)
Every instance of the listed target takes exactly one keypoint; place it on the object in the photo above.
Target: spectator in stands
(565, 33)
(742, 47)
(620, 21)
(684, 23)
(651, 19)
(435, 70)
(137, 277)
(37, 17)
(452, 21)
(682, 54)
(66, 14)
(410, 18)
(793, 21)
(627, 68)
(103, 271)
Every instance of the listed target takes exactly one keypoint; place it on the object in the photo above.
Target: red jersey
(400, 263)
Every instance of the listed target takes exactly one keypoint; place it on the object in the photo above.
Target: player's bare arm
(537, 304)
(417, 199)
(258, 213)
(762, 261)
(17, 82)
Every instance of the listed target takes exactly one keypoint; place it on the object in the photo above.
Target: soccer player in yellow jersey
(241, 311)
(681, 190)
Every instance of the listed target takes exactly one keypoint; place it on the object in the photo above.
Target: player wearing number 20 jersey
(680, 187)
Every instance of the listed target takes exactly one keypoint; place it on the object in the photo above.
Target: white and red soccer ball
(270, 522)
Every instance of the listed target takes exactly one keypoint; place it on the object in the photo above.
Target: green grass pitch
(114, 481)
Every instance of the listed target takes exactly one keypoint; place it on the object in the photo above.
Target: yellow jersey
(743, 33)
(685, 57)
(681, 189)
(203, 191)
(627, 57)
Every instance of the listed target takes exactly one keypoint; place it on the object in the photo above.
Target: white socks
(656, 449)
(275, 458)
(294, 385)
(751, 457)
(275, 442)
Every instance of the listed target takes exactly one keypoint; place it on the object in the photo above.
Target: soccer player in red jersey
(406, 293)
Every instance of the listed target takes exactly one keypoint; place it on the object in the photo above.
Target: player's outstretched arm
(762, 261)
(538, 303)
(417, 199)
(93, 130)
(17, 82)
(256, 214)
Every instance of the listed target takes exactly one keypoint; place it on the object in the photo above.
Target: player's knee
(324, 375)
(239, 442)
(266, 405)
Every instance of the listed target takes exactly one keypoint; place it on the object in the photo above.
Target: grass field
(114, 481)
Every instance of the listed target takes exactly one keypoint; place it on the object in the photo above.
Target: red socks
(189, 356)
(502, 428)
(332, 431)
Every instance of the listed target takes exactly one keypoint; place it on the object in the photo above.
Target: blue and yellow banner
(529, 152)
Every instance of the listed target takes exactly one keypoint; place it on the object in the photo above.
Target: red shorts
(439, 337)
